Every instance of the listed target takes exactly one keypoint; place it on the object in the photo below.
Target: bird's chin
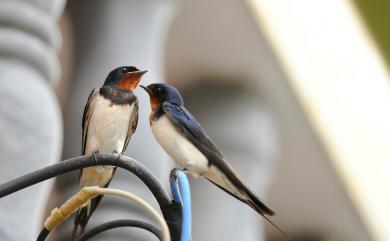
(129, 83)
(154, 103)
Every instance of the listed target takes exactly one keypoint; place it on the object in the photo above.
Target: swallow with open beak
(185, 141)
(109, 120)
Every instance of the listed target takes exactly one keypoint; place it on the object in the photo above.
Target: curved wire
(181, 194)
(170, 210)
(43, 234)
(153, 213)
(119, 224)
(59, 215)
(79, 162)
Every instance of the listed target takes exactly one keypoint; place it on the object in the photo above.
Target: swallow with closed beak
(185, 141)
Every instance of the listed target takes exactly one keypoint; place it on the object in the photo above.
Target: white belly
(107, 133)
(108, 127)
(182, 151)
(96, 176)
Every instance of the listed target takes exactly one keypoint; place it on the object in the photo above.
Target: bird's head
(159, 93)
(125, 77)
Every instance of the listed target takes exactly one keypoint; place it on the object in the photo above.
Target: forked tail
(80, 222)
(260, 209)
(83, 215)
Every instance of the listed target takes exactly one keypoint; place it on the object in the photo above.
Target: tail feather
(221, 180)
(80, 221)
(252, 201)
(257, 205)
(288, 237)
(83, 215)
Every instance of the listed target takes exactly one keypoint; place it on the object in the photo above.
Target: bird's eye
(124, 70)
(159, 89)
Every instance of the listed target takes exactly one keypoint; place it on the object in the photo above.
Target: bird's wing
(190, 128)
(82, 217)
(87, 117)
(132, 125)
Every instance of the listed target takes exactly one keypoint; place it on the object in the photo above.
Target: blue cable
(181, 194)
(175, 189)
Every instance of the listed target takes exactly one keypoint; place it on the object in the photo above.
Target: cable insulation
(119, 224)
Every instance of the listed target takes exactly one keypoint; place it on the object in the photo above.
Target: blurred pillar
(30, 123)
(242, 128)
(111, 34)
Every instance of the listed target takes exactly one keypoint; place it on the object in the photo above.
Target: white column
(30, 123)
(111, 34)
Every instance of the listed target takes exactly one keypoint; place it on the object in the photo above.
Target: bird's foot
(94, 157)
(119, 155)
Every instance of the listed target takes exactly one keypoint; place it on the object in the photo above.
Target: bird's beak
(130, 80)
(141, 72)
(154, 102)
(146, 89)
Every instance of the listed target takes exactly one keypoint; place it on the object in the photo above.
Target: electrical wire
(59, 215)
(181, 193)
(80, 162)
(152, 212)
(171, 210)
(43, 235)
(118, 224)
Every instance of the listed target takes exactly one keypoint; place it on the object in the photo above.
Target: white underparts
(107, 133)
(108, 126)
(181, 150)
(187, 156)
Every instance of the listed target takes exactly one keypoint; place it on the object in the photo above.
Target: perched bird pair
(110, 118)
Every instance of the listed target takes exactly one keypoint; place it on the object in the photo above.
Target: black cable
(171, 210)
(76, 163)
(118, 224)
(43, 235)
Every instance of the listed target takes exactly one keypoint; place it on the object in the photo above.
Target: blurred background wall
(30, 117)
(225, 44)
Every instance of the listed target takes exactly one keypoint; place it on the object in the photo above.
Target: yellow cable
(58, 215)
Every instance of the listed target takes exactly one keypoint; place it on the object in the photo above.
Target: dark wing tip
(260, 207)
(269, 212)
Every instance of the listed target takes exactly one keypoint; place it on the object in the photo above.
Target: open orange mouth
(130, 80)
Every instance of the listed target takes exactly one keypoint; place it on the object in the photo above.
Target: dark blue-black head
(125, 77)
(159, 93)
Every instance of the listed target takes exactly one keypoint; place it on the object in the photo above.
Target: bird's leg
(94, 157)
(119, 155)
(172, 173)
(190, 169)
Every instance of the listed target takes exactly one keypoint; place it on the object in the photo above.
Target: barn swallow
(109, 120)
(185, 141)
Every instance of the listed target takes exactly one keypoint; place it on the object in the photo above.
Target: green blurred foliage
(376, 14)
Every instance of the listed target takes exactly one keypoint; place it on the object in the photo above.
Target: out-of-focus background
(295, 93)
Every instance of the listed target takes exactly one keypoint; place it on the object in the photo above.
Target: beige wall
(220, 38)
